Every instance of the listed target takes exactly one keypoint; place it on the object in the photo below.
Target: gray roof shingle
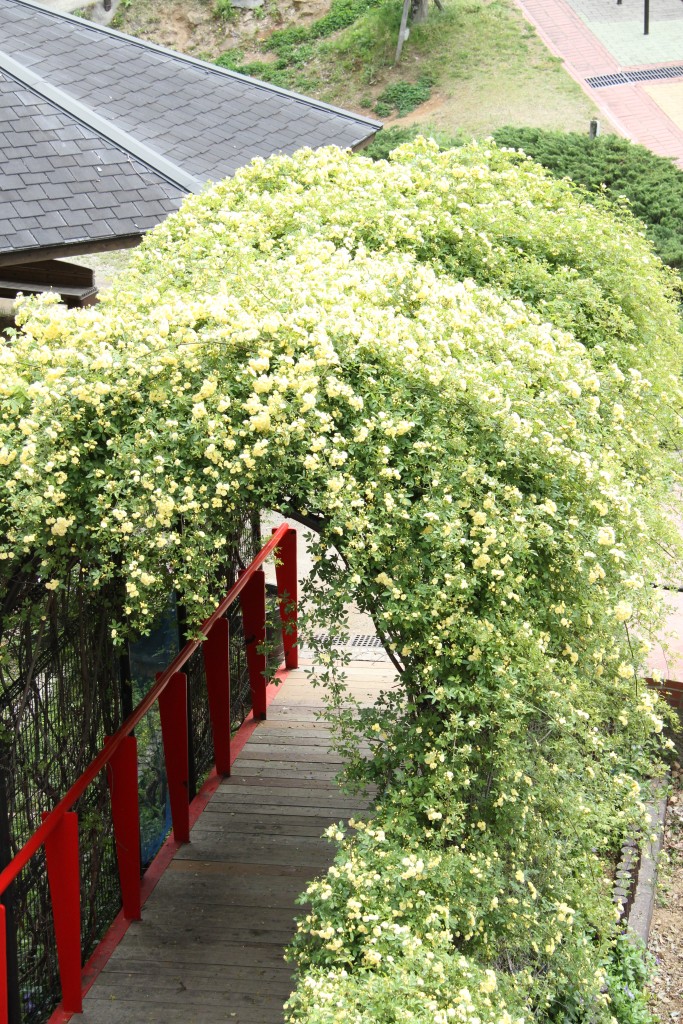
(54, 195)
(94, 143)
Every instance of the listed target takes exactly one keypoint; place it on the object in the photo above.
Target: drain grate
(626, 77)
(354, 640)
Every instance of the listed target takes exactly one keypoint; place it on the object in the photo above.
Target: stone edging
(636, 881)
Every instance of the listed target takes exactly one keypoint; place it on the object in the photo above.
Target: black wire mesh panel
(146, 657)
(201, 746)
(152, 654)
(59, 685)
(62, 690)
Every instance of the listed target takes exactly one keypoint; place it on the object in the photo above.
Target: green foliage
(471, 379)
(389, 139)
(341, 14)
(652, 184)
(293, 46)
(404, 96)
(629, 969)
(119, 15)
(223, 10)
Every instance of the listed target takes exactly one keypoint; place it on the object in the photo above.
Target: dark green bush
(652, 184)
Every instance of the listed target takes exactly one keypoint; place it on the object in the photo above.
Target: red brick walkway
(629, 108)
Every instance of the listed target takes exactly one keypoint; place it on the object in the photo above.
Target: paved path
(209, 949)
(601, 37)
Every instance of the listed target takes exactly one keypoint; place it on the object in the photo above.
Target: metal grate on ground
(627, 77)
(357, 646)
(353, 640)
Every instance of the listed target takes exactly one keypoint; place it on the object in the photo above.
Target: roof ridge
(100, 125)
(211, 68)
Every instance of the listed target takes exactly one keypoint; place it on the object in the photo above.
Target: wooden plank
(309, 755)
(222, 890)
(262, 808)
(127, 1011)
(147, 991)
(251, 830)
(237, 795)
(220, 952)
(284, 770)
(258, 782)
(273, 926)
(210, 947)
(205, 973)
(279, 851)
(265, 764)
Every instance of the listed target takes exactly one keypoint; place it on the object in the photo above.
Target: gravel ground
(666, 936)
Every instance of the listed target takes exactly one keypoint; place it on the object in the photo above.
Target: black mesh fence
(63, 688)
(60, 692)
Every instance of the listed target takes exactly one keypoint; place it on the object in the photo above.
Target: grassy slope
(487, 66)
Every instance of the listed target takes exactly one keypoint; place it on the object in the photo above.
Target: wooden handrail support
(59, 823)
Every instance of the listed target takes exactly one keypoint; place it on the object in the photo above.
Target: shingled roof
(103, 135)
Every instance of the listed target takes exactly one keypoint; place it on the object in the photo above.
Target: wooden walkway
(209, 949)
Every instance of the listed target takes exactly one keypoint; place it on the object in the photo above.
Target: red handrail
(56, 815)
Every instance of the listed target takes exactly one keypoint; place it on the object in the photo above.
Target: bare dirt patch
(666, 936)
(196, 27)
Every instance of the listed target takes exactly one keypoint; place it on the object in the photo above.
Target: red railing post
(122, 776)
(216, 651)
(61, 856)
(253, 604)
(288, 593)
(173, 714)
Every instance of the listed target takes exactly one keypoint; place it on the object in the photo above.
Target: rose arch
(467, 380)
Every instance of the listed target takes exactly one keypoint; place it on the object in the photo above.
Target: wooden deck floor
(210, 945)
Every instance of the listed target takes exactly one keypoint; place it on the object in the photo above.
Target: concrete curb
(636, 882)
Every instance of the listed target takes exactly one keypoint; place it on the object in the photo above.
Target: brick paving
(599, 37)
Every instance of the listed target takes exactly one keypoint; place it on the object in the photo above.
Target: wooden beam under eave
(53, 252)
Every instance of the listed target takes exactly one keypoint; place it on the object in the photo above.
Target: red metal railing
(58, 832)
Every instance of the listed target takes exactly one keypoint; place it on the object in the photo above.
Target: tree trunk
(420, 11)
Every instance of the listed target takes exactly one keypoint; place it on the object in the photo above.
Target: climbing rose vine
(469, 380)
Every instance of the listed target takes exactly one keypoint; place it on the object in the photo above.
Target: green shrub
(652, 184)
(403, 97)
(629, 968)
(388, 139)
(223, 10)
(232, 60)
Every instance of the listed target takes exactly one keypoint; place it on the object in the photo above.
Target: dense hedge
(652, 184)
(469, 379)
(609, 166)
